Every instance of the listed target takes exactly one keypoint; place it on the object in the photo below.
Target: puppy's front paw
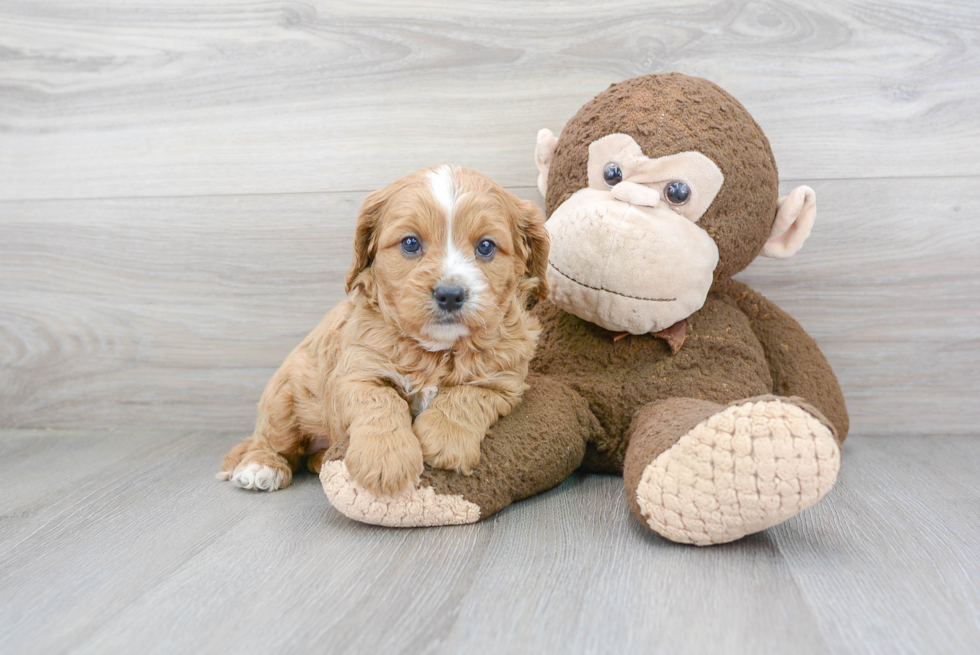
(260, 470)
(447, 444)
(385, 464)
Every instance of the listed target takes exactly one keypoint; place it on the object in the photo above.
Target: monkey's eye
(411, 246)
(486, 248)
(612, 174)
(677, 193)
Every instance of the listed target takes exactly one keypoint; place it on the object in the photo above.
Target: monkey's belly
(721, 361)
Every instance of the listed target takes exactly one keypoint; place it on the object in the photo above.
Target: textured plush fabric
(654, 430)
(629, 404)
(720, 361)
(617, 294)
(534, 448)
(794, 220)
(416, 508)
(738, 471)
(671, 113)
(797, 366)
(639, 171)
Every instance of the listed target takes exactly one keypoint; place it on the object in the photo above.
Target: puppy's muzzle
(449, 298)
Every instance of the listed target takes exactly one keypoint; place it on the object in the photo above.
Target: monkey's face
(626, 251)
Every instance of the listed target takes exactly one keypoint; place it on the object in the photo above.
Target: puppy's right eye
(411, 246)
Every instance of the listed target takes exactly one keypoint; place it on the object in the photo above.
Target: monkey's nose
(636, 194)
(449, 298)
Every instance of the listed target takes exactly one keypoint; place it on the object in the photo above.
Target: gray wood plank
(163, 317)
(118, 531)
(155, 555)
(173, 561)
(148, 99)
(892, 295)
(589, 578)
(149, 304)
(174, 312)
(893, 562)
(34, 475)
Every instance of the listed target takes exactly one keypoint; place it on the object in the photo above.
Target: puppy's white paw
(258, 477)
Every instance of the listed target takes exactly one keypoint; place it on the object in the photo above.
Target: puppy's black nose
(449, 298)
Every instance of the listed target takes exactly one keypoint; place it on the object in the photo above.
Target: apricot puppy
(429, 350)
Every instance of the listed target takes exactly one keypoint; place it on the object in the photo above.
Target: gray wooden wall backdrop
(179, 178)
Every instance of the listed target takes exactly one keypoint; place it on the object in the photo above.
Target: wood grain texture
(176, 311)
(904, 513)
(120, 99)
(178, 186)
(145, 551)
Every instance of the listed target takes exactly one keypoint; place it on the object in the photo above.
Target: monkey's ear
(794, 220)
(364, 246)
(544, 152)
(535, 245)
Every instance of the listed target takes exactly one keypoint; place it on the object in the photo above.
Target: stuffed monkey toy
(719, 410)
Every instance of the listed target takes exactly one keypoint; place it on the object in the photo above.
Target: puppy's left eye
(411, 246)
(486, 248)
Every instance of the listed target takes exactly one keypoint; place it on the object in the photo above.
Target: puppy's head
(444, 252)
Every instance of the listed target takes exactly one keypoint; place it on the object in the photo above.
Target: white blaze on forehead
(458, 267)
(445, 188)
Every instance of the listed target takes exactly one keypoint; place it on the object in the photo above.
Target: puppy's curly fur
(408, 377)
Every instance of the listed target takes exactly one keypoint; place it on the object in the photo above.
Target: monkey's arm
(530, 450)
(452, 428)
(797, 366)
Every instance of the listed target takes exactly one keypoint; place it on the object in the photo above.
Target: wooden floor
(121, 541)
(178, 186)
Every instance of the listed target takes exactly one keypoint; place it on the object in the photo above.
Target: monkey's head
(656, 189)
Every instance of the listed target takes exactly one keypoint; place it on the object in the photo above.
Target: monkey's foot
(740, 471)
(411, 508)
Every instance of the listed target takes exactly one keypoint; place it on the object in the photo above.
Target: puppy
(429, 350)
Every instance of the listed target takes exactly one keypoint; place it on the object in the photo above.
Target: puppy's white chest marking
(419, 397)
(443, 336)
(420, 401)
(436, 346)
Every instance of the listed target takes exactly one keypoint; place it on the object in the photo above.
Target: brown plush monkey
(717, 407)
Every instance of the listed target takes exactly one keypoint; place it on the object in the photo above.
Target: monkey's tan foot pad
(747, 468)
(410, 509)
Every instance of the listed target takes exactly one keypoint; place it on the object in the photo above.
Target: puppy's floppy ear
(367, 222)
(534, 244)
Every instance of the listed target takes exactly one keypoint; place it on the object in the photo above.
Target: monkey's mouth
(618, 293)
